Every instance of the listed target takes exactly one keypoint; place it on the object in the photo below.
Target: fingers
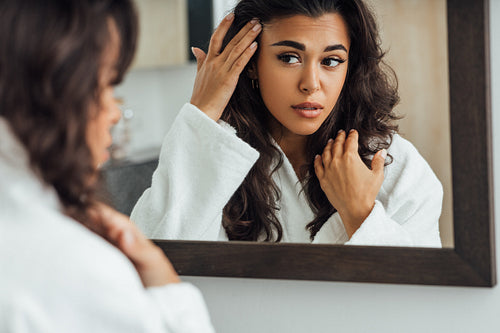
(153, 266)
(327, 152)
(242, 61)
(218, 36)
(112, 224)
(335, 149)
(242, 41)
(150, 262)
(132, 245)
(338, 145)
(351, 143)
(199, 55)
(318, 167)
(378, 161)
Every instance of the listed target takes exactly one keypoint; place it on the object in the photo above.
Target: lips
(308, 109)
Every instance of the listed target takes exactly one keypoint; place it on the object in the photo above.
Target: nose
(310, 81)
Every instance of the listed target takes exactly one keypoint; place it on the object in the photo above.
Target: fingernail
(253, 45)
(257, 27)
(352, 130)
(229, 16)
(330, 140)
(192, 51)
(254, 21)
(340, 131)
(383, 153)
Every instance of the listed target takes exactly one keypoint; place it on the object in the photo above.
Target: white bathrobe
(202, 163)
(58, 276)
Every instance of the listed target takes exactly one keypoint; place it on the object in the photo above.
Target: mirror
(471, 260)
(414, 35)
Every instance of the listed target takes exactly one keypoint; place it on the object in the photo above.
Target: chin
(306, 130)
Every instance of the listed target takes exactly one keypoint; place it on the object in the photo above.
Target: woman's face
(107, 113)
(301, 69)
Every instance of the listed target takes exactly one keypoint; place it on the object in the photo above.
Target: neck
(294, 147)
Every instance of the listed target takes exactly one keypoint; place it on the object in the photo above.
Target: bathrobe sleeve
(407, 208)
(202, 163)
(70, 280)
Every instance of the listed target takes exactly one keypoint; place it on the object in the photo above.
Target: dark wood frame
(470, 263)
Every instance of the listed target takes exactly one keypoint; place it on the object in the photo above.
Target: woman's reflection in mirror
(68, 262)
(290, 135)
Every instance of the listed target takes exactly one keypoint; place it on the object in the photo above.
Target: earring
(255, 84)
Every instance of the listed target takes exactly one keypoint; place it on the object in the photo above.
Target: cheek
(275, 84)
(95, 132)
(334, 87)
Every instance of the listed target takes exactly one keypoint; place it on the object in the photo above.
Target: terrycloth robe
(202, 163)
(58, 276)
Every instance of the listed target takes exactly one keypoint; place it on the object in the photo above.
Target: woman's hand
(152, 265)
(218, 73)
(350, 186)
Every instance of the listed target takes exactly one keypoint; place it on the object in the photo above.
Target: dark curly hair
(366, 104)
(50, 57)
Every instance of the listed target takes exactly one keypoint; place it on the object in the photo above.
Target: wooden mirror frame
(470, 263)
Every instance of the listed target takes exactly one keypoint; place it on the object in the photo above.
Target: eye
(289, 58)
(332, 62)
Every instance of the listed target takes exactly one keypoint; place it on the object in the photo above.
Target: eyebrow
(302, 47)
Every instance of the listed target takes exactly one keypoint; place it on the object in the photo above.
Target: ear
(252, 71)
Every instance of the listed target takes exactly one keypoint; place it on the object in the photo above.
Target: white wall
(155, 96)
(248, 305)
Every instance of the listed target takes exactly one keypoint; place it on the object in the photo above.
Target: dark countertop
(124, 181)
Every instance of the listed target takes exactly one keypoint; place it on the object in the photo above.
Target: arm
(406, 210)
(201, 165)
(408, 207)
(72, 280)
(167, 303)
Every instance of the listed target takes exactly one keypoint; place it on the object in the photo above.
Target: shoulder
(70, 259)
(63, 274)
(402, 150)
(408, 167)
(405, 156)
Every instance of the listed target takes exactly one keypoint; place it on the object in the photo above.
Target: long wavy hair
(366, 104)
(50, 58)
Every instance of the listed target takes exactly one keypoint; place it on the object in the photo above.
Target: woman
(59, 62)
(270, 169)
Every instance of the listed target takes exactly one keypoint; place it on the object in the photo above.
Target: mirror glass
(413, 34)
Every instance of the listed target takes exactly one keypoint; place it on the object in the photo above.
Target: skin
(307, 70)
(217, 74)
(106, 113)
(151, 264)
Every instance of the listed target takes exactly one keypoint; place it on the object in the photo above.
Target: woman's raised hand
(350, 186)
(149, 260)
(218, 73)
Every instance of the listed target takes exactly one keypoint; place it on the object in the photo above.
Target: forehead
(328, 29)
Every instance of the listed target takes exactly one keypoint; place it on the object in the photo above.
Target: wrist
(354, 218)
(207, 110)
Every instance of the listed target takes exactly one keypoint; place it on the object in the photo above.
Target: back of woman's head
(50, 57)
(366, 104)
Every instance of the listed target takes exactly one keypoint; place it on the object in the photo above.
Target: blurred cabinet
(163, 33)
